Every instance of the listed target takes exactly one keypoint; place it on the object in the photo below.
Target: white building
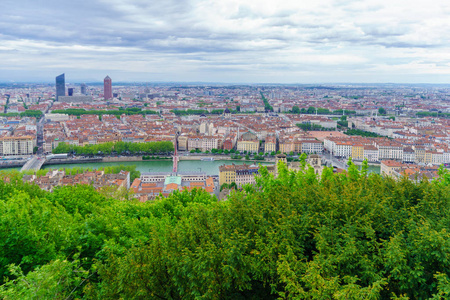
(14, 145)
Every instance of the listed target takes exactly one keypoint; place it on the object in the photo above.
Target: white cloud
(225, 40)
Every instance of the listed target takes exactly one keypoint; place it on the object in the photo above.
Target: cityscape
(224, 149)
(398, 129)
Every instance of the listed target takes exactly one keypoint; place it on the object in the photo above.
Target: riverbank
(71, 161)
(162, 165)
(12, 165)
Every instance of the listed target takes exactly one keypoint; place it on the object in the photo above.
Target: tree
(311, 110)
(381, 111)
(348, 235)
(295, 110)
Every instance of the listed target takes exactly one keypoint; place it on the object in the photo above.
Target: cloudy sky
(230, 41)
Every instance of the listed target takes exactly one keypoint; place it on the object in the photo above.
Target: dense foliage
(27, 113)
(197, 112)
(321, 111)
(432, 114)
(118, 148)
(311, 126)
(360, 132)
(353, 236)
(267, 106)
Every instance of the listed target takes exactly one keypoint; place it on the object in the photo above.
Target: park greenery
(308, 126)
(352, 235)
(28, 113)
(267, 106)
(363, 133)
(320, 111)
(118, 112)
(422, 114)
(197, 112)
(116, 148)
(148, 157)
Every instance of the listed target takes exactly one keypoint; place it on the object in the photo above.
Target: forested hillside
(354, 236)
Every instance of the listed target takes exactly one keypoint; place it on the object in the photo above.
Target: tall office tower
(83, 89)
(60, 86)
(107, 88)
(70, 91)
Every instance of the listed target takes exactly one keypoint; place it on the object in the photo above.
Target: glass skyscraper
(83, 89)
(60, 86)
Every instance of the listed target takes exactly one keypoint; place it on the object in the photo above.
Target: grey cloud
(111, 32)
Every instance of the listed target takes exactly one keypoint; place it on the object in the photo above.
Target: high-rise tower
(107, 88)
(60, 86)
(83, 89)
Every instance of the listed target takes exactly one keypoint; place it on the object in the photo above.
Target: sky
(228, 41)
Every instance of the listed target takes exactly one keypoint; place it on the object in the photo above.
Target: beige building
(270, 144)
(183, 142)
(227, 174)
(13, 145)
(249, 146)
(248, 142)
(204, 142)
(419, 154)
(358, 152)
(390, 167)
(240, 174)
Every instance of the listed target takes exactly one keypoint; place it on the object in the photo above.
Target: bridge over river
(342, 164)
(35, 163)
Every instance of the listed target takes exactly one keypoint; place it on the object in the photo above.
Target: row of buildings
(151, 185)
(98, 179)
(378, 149)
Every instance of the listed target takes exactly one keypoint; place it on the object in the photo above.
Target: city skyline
(226, 41)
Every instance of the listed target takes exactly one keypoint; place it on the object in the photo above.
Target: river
(209, 167)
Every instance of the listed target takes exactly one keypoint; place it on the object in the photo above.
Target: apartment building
(390, 167)
(390, 150)
(371, 153)
(311, 146)
(342, 149)
(419, 154)
(12, 145)
(408, 155)
(270, 144)
(358, 152)
(240, 174)
(248, 145)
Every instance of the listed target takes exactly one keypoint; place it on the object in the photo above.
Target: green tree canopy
(297, 236)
